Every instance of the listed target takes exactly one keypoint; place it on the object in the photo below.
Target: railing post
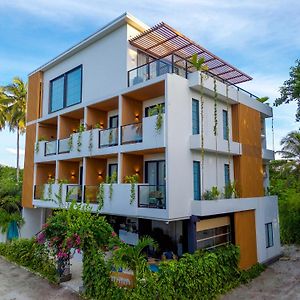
(148, 70)
(172, 63)
(186, 69)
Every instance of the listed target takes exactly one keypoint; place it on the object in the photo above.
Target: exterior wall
(245, 237)
(131, 165)
(93, 168)
(34, 99)
(130, 109)
(102, 58)
(43, 172)
(28, 177)
(68, 168)
(34, 219)
(248, 170)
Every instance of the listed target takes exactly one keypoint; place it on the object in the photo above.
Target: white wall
(34, 219)
(104, 67)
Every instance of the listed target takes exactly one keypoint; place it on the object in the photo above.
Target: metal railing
(132, 133)
(63, 146)
(74, 192)
(90, 193)
(171, 64)
(108, 137)
(152, 196)
(50, 148)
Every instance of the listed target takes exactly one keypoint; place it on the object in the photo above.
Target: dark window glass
(113, 122)
(57, 94)
(73, 87)
(112, 168)
(195, 116)
(66, 90)
(151, 111)
(197, 187)
(226, 174)
(225, 125)
(269, 235)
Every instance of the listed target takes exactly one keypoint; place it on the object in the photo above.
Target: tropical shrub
(30, 254)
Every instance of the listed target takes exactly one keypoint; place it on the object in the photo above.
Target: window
(195, 116)
(197, 185)
(226, 174)
(73, 87)
(151, 111)
(113, 122)
(57, 94)
(225, 125)
(65, 90)
(112, 168)
(269, 235)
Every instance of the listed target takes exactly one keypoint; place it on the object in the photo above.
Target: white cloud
(14, 151)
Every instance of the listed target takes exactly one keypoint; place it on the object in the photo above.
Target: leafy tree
(13, 110)
(290, 91)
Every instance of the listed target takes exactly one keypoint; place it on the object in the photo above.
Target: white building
(128, 101)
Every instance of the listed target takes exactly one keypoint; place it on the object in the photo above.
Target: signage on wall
(122, 279)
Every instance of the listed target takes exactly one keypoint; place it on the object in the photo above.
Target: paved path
(19, 284)
(280, 281)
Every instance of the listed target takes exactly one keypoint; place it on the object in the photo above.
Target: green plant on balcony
(80, 130)
(212, 194)
(110, 136)
(198, 63)
(100, 196)
(59, 194)
(111, 180)
(50, 185)
(97, 126)
(263, 99)
(70, 142)
(133, 179)
(37, 144)
(230, 191)
(158, 111)
(91, 141)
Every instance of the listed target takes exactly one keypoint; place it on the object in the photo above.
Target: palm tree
(132, 257)
(291, 146)
(13, 105)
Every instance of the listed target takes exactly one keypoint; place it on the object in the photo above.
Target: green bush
(202, 275)
(29, 254)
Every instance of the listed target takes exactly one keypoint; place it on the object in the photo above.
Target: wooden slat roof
(162, 40)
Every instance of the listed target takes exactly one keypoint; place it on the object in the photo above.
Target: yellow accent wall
(245, 237)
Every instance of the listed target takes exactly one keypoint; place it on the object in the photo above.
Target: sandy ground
(280, 281)
(19, 284)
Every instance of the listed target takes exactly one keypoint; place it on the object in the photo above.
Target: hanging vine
(112, 180)
(100, 196)
(202, 129)
(50, 186)
(37, 147)
(79, 138)
(70, 142)
(132, 180)
(216, 126)
(91, 141)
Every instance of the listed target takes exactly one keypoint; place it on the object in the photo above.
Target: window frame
(269, 242)
(198, 117)
(148, 109)
(227, 167)
(225, 133)
(198, 163)
(64, 75)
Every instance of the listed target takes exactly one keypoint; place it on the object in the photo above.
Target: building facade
(127, 104)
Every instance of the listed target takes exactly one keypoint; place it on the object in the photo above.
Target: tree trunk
(18, 153)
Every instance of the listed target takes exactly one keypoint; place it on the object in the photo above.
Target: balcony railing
(50, 148)
(108, 137)
(132, 133)
(152, 196)
(39, 192)
(63, 146)
(74, 192)
(171, 64)
(90, 193)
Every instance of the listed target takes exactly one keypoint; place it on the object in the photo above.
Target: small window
(226, 174)
(112, 168)
(197, 184)
(269, 235)
(195, 116)
(225, 125)
(152, 111)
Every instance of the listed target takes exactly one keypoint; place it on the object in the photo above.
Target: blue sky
(259, 37)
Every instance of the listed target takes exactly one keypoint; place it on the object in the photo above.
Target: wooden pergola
(162, 40)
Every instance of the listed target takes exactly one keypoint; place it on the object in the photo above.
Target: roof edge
(125, 18)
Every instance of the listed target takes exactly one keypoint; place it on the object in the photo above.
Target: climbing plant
(100, 196)
(133, 179)
(70, 142)
(112, 180)
(91, 141)
(158, 111)
(50, 185)
(215, 130)
(79, 138)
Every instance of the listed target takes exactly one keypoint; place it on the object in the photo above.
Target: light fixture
(74, 130)
(101, 125)
(137, 117)
(73, 175)
(137, 171)
(49, 176)
(100, 174)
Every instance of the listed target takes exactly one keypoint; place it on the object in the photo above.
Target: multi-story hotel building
(128, 101)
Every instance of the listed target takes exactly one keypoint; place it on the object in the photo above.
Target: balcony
(50, 148)
(63, 146)
(132, 133)
(108, 137)
(152, 196)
